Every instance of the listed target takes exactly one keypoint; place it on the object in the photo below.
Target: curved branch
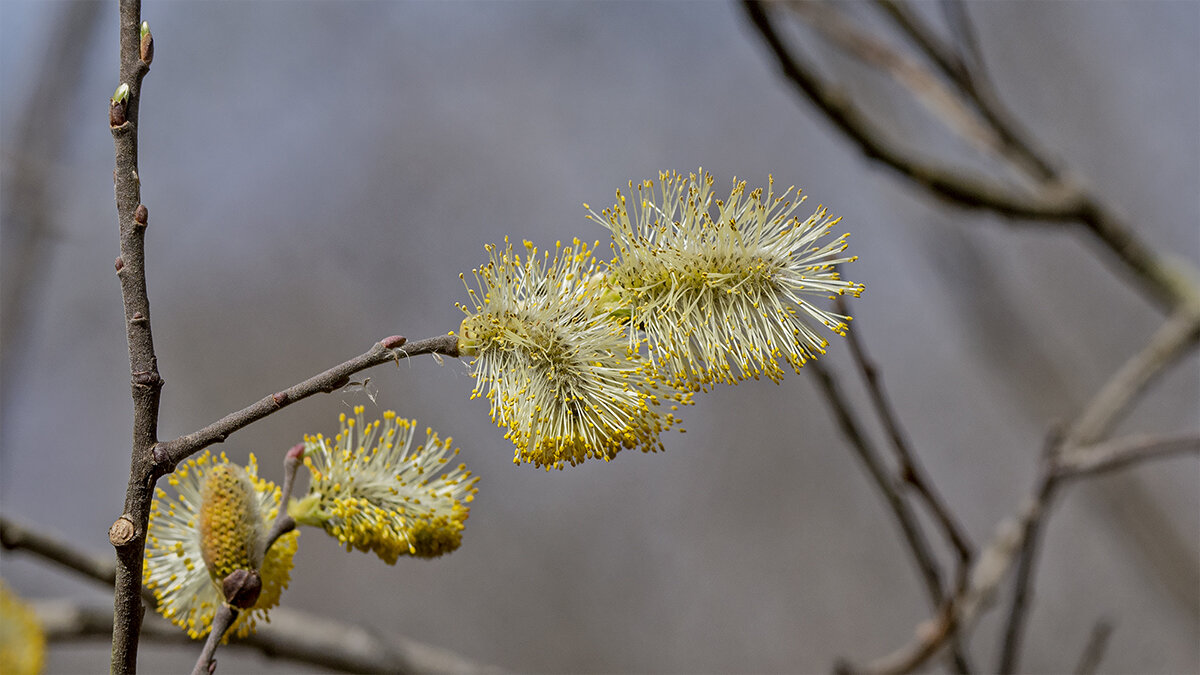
(1058, 201)
(906, 518)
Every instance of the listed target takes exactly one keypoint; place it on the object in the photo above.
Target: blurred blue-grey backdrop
(317, 175)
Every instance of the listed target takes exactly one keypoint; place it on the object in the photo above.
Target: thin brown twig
(284, 522)
(911, 470)
(953, 184)
(1009, 542)
(1175, 338)
(170, 453)
(918, 545)
(1034, 526)
(223, 618)
(146, 382)
(291, 635)
(973, 82)
(832, 24)
(1057, 202)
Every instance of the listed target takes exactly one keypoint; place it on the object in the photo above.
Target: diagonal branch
(1057, 202)
(394, 348)
(975, 85)
(911, 470)
(953, 184)
(914, 537)
(1065, 460)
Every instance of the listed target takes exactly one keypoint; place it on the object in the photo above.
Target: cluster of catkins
(578, 356)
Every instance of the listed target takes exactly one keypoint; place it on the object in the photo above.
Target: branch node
(140, 215)
(119, 264)
(162, 460)
(122, 532)
(280, 399)
(138, 317)
(147, 378)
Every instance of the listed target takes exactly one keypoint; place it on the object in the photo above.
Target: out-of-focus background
(317, 175)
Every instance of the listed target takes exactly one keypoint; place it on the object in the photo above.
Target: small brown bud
(122, 531)
(119, 264)
(116, 114)
(140, 214)
(146, 49)
(117, 105)
(279, 398)
(242, 588)
(162, 460)
(137, 317)
(393, 341)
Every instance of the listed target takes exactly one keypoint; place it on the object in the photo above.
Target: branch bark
(146, 382)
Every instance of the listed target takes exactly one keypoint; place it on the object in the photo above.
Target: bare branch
(953, 184)
(1015, 541)
(911, 470)
(918, 545)
(1121, 452)
(973, 82)
(1058, 201)
(833, 25)
(291, 634)
(1173, 340)
(389, 349)
(1014, 624)
(143, 365)
(206, 663)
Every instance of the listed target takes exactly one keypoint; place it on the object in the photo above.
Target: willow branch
(832, 24)
(1119, 453)
(911, 470)
(284, 522)
(391, 349)
(206, 663)
(143, 365)
(1177, 336)
(1056, 202)
(1017, 144)
(961, 187)
(914, 537)
(1011, 544)
(291, 635)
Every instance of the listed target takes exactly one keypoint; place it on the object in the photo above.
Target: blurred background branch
(290, 635)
